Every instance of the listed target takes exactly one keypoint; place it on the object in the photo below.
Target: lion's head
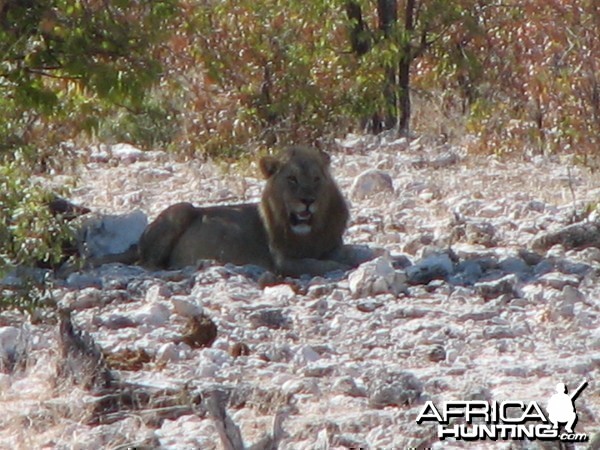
(303, 209)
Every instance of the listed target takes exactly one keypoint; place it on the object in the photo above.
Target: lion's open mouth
(301, 222)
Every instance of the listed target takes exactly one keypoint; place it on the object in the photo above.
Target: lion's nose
(307, 201)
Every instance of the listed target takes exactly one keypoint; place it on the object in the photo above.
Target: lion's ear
(326, 157)
(269, 165)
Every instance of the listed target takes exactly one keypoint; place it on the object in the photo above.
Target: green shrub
(29, 233)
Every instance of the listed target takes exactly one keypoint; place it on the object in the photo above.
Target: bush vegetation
(220, 77)
(66, 68)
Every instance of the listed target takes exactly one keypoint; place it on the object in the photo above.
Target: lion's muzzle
(302, 217)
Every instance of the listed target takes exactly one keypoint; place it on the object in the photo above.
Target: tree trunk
(387, 12)
(404, 71)
(396, 110)
(360, 36)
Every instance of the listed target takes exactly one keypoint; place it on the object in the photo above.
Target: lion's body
(232, 233)
(297, 228)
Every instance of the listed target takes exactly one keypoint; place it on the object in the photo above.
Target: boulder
(371, 182)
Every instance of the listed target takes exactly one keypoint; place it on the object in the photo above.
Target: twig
(230, 434)
(573, 196)
(271, 441)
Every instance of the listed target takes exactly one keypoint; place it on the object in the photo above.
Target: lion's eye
(292, 180)
(317, 178)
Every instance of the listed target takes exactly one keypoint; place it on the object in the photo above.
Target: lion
(296, 228)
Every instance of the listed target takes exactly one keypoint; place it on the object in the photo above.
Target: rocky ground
(477, 298)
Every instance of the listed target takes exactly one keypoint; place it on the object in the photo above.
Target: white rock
(496, 288)
(320, 369)
(87, 298)
(206, 370)
(127, 153)
(338, 295)
(591, 254)
(305, 354)
(557, 251)
(400, 143)
(154, 174)
(154, 315)
(572, 295)
(216, 356)
(157, 293)
(184, 307)
(558, 280)
(222, 343)
(347, 385)
(532, 293)
(301, 386)
(281, 293)
(394, 388)
(187, 432)
(481, 233)
(167, 353)
(350, 141)
(132, 199)
(566, 309)
(432, 267)
(595, 339)
(446, 159)
(99, 153)
(5, 381)
(376, 277)
(102, 235)
(587, 319)
(451, 355)
(9, 340)
(371, 182)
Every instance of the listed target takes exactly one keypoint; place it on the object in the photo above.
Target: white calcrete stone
(595, 339)
(300, 386)
(376, 277)
(371, 182)
(153, 314)
(496, 288)
(572, 295)
(9, 340)
(432, 267)
(99, 153)
(127, 153)
(167, 353)
(394, 389)
(281, 293)
(102, 235)
(157, 293)
(320, 369)
(212, 362)
(206, 369)
(346, 385)
(189, 431)
(184, 307)
(5, 382)
(558, 280)
(445, 159)
(87, 298)
(305, 354)
(217, 356)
